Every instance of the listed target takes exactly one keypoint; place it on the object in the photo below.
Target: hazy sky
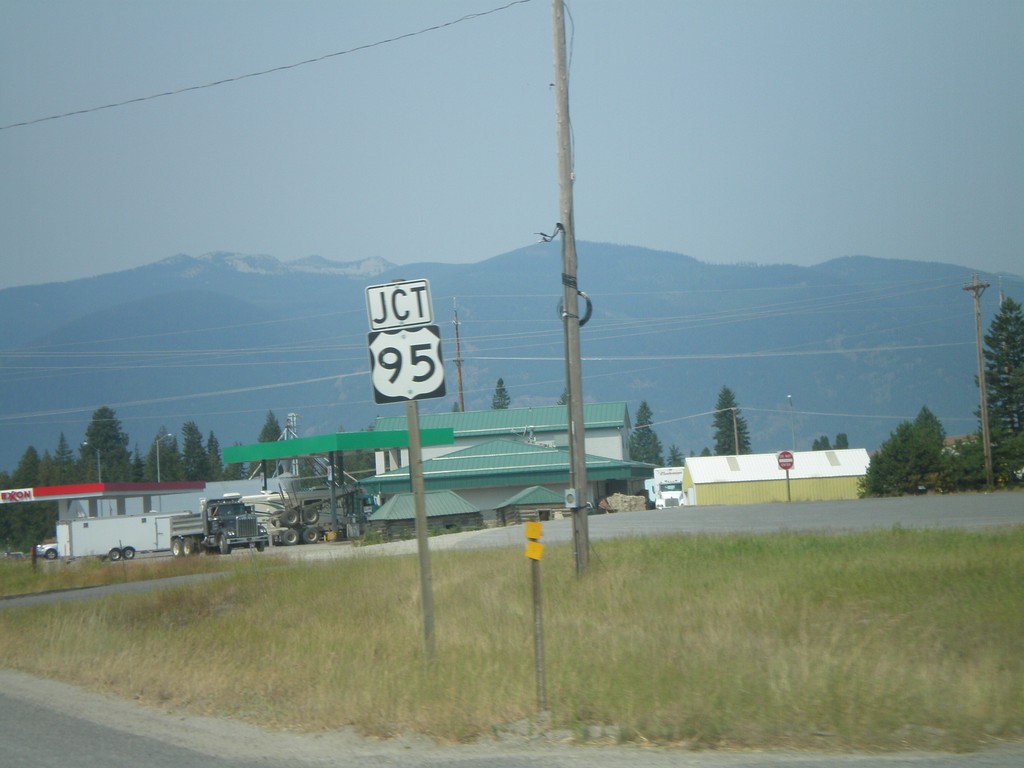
(731, 131)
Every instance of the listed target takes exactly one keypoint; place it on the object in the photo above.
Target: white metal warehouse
(757, 478)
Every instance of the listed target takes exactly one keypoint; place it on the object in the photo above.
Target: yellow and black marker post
(534, 550)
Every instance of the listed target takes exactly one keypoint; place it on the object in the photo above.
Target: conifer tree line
(105, 456)
(918, 458)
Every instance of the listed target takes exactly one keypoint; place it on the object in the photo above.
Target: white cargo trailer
(115, 537)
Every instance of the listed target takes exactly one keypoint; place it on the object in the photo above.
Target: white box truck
(668, 487)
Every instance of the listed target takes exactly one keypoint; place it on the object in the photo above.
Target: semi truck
(667, 488)
(220, 525)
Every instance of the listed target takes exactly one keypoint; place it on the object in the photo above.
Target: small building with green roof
(533, 503)
(446, 511)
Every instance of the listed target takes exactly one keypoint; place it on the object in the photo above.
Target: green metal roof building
(488, 474)
(606, 427)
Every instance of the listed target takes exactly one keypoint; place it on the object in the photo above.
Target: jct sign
(405, 349)
(403, 304)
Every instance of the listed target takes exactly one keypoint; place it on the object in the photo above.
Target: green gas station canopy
(338, 441)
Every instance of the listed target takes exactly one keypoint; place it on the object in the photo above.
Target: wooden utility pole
(976, 288)
(570, 299)
(458, 360)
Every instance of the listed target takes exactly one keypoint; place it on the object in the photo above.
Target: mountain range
(854, 344)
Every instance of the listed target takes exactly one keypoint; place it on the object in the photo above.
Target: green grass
(887, 640)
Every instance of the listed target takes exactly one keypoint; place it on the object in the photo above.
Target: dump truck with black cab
(221, 525)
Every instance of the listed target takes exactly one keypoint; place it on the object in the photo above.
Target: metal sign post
(534, 550)
(785, 459)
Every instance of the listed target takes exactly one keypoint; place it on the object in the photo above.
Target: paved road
(44, 724)
(968, 511)
(964, 511)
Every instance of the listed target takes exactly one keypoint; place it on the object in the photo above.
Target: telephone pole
(570, 300)
(458, 359)
(976, 288)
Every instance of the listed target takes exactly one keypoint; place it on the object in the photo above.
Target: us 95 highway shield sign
(406, 364)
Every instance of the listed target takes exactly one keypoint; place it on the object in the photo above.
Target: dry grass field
(885, 640)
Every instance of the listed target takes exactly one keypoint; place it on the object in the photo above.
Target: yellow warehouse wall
(764, 491)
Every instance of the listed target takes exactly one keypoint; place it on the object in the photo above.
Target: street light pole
(792, 421)
(99, 467)
(159, 439)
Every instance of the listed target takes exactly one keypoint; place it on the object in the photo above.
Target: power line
(173, 398)
(730, 355)
(261, 73)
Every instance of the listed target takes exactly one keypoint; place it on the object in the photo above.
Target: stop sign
(785, 460)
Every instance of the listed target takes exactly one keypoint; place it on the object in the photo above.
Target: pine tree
(234, 471)
(213, 459)
(967, 464)
(1004, 368)
(644, 444)
(63, 463)
(194, 458)
(104, 454)
(138, 466)
(23, 525)
(675, 456)
(729, 426)
(912, 458)
(842, 442)
(47, 470)
(501, 400)
(26, 474)
(271, 431)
